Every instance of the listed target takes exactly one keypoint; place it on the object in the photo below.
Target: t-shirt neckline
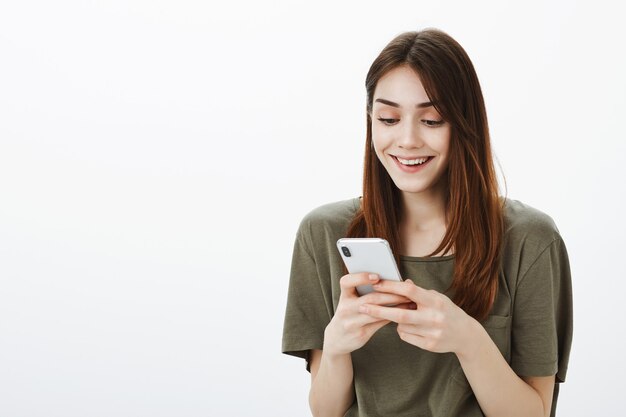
(406, 258)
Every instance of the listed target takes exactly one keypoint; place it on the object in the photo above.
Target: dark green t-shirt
(531, 320)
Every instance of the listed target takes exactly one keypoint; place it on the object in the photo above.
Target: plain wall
(156, 158)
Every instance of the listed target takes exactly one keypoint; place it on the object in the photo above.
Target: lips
(412, 168)
(419, 159)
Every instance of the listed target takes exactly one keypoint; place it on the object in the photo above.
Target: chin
(415, 187)
(413, 190)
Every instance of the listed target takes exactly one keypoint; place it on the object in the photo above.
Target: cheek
(381, 137)
(444, 142)
(379, 148)
(445, 152)
(377, 152)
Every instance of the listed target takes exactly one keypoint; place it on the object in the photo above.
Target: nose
(410, 137)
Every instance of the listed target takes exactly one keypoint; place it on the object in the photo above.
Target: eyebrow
(392, 104)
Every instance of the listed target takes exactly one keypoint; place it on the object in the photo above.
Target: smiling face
(409, 136)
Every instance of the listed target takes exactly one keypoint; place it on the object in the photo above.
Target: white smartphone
(372, 255)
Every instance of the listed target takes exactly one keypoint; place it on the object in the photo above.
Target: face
(410, 138)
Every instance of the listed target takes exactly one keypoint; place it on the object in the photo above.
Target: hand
(350, 329)
(437, 325)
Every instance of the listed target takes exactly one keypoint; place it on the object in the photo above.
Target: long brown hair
(473, 208)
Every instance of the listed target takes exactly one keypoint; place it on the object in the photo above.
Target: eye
(387, 122)
(433, 123)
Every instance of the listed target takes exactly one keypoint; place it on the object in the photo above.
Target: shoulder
(523, 223)
(529, 234)
(334, 214)
(329, 220)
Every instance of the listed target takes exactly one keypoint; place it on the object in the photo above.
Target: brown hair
(473, 209)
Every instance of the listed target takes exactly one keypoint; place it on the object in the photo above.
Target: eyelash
(433, 123)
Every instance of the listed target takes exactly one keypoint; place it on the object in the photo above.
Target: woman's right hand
(349, 329)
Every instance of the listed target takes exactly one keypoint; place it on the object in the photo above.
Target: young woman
(483, 321)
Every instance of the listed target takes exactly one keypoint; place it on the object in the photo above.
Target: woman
(483, 320)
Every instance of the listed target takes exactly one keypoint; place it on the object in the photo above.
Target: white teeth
(413, 161)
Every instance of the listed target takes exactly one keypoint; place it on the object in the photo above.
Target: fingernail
(373, 277)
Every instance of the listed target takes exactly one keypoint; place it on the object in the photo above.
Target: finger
(380, 298)
(407, 306)
(415, 329)
(360, 320)
(398, 315)
(414, 339)
(406, 288)
(349, 282)
(372, 328)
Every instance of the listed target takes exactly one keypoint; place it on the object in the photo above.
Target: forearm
(498, 389)
(331, 391)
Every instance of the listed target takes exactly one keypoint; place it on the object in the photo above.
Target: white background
(156, 158)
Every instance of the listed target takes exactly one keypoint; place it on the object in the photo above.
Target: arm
(332, 375)
(438, 325)
(498, 389)
(331, 384)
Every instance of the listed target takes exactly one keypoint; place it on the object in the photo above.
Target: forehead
(401, 85)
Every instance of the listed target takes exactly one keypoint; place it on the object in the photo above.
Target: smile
(417, 161)
(412, 165)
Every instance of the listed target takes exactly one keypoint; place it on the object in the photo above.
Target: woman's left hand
(437, 325)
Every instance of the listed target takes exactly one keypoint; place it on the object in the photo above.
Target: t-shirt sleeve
(543, 316)
(307, 313)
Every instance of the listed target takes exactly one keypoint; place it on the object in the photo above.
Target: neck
(424, 211)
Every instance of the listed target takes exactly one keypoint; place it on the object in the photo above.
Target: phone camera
(346, 251)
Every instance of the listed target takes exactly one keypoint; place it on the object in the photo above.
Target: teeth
(413, 161)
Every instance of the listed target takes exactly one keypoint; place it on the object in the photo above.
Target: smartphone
(371, 255)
